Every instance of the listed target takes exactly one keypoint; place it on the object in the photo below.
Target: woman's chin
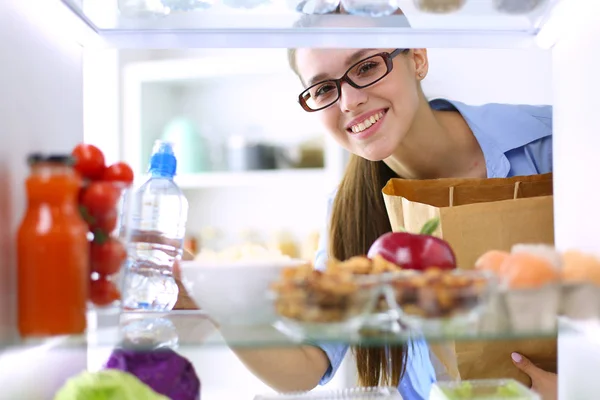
(374, 152)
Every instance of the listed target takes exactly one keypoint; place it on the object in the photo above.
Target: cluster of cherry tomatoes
(98, 203)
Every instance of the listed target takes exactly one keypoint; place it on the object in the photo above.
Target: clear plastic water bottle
(159, 214)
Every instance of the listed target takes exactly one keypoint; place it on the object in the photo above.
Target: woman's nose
(351, 97)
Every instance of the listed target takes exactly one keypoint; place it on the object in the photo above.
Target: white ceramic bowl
(236, 292)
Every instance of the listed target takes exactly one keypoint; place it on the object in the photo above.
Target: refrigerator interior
(473, 76)
(41, 110)
(30, 113)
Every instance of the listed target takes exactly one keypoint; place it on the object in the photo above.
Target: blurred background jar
(440, 6)
(370, 8)
(313, 7)
(516, 6)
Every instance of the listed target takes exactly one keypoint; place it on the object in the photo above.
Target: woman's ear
(420, 63)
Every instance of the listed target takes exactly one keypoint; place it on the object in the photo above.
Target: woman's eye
(366, 67)
(324, 89)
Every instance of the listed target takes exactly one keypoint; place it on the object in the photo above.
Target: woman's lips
(368, 132)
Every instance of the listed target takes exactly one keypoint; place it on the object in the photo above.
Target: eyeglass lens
(362, 74)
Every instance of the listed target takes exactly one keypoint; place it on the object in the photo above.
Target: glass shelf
(477, 24)
(196, 329)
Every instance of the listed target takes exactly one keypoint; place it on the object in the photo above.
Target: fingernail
(516, 357)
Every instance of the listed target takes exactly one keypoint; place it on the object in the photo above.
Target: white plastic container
(484, 389)
(379, 393)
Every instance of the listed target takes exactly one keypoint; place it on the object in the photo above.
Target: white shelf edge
(281, 38)
(419, 36)
(272, 178)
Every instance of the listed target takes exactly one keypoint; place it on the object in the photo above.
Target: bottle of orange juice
(52, 252)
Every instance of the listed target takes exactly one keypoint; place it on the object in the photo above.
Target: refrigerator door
(576, 192)
(41, 109)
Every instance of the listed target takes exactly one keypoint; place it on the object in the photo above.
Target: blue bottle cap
(163, 162)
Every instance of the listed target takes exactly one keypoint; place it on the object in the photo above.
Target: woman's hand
(184, 301)
(543, 382)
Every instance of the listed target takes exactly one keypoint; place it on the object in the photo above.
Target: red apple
(415, 251)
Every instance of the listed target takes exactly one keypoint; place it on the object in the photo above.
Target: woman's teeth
(367, 122)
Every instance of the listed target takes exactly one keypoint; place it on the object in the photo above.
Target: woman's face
(392, 102)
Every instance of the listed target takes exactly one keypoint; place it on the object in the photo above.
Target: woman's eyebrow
(351, 59)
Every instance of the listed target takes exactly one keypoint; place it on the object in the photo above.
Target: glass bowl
(435, 300)
(317, 303)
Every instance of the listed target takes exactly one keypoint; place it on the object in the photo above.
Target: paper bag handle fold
(516, 192)
(451, 193)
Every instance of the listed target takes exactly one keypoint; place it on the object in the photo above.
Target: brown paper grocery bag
(477, 215)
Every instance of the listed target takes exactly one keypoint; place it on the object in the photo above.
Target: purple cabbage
(165, 371)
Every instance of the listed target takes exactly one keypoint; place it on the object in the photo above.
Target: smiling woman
(371, 102)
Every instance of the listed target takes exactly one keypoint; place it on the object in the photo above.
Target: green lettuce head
(110, 384)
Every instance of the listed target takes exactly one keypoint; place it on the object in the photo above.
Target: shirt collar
(498, 128)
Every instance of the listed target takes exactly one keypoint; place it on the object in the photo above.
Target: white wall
(40, 110)
(478, 76)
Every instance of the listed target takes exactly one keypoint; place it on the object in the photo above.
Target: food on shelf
(118, 172)
(360, 265)
(102, 191)
(163, 370)
(244, 252)
(439, 6)
(284, 243)
(529, 295)
(485, 389)
(110, 384)
(89, 161)
(107, 257)
(516, 6)
(531, 266)
(579, 267)
(310, 246)
(491, 261)
(538, 283)
(52, 252)
(103, 291)
(580, 296)
(334, 295)
(415, 251)
(437, 293)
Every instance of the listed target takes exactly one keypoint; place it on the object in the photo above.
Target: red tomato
(119, 172)
(103, 224)
(103, 292)
(89, 161)
(100, 198)
(107, 257)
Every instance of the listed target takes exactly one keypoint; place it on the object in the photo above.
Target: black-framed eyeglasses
(364, 73)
